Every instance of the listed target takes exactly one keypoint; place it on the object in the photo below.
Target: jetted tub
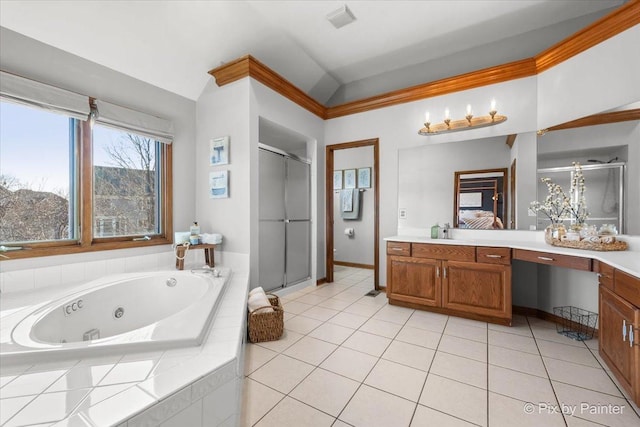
(129, 312)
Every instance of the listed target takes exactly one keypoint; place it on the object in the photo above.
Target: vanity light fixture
(469, 121)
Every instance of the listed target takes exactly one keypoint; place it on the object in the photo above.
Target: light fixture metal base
(464, 124)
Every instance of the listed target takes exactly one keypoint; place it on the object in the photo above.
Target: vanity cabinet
(414, 280)
(619, 334)
(447, 279)
(478, 288)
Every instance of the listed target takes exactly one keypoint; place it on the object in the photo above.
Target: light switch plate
(402, 213)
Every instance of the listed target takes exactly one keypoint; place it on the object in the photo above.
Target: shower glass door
(604, 192)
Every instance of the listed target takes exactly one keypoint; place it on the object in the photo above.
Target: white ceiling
(392, 44)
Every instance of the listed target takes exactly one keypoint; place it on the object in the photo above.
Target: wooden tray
(590, 246)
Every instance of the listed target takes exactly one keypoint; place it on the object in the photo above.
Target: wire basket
(575, 322)
(266, 325)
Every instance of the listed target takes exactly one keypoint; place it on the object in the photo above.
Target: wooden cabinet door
(478, 288)
(415, 280)
(622, 358)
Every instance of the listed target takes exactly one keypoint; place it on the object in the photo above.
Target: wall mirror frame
(480, 199)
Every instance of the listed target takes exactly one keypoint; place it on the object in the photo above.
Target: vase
(554, 232)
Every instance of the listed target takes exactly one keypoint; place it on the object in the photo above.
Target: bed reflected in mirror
(480, 199)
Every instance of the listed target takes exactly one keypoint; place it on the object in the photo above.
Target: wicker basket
(266, 325)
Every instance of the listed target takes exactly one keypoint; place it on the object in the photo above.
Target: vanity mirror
(426, 187)
(480, 199)
(426, 190)
(610, 157)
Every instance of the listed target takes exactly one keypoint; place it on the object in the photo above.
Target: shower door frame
(286, 220)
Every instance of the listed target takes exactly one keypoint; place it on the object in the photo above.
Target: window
(37, 172)
(67, 185)
(126, 184)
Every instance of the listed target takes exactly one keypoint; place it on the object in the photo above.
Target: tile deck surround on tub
(137, 389)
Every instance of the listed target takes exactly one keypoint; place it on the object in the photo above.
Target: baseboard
(321, 281)
(355, 265)
(541, 314)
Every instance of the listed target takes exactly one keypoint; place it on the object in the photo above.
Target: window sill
(42, 251)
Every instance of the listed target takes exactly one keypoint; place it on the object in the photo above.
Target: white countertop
(627, 261)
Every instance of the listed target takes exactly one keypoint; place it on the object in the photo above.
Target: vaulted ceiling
(390, 45)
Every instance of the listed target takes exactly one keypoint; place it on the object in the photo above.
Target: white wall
(598, 79)
(35, 60)
(524, 150)
(397, 128)
(359, 248)
(224, 111)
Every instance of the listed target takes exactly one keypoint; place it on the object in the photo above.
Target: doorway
(329, 203)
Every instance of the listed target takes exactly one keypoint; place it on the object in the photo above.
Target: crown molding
(487, 76)
(248, 66)
(606, 27)
(614, 23)
(599, 119)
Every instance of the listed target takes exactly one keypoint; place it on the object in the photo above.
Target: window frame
(85, 242)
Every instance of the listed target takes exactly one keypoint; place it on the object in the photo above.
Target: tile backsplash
(28, 274)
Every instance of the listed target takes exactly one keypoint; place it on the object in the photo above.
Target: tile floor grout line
(435, 352)
(372, 368)
(555, 394)
(487, 368)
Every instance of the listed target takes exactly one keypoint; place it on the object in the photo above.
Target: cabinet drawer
(447, 252)
(399, 248)
(605, 273)
(491, 255)
(627, 286)
(568, 261)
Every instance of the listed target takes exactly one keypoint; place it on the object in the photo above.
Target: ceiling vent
(341, 17)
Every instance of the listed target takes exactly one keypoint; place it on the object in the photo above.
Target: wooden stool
(208, 254)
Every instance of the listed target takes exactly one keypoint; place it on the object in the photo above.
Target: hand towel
(257, 301)
(256, 290)
(355, 211)
(346, 200)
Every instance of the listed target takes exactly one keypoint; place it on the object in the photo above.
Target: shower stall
(605, 191)
(284, 218)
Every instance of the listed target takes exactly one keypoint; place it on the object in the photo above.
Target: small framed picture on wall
(337, 180)
(219, 151)
(364, 177)
(219, 184)
(350, 178)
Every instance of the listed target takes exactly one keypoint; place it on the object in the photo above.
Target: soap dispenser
(194, 232)
(435, 231)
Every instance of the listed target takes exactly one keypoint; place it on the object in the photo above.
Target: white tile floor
(349, 359)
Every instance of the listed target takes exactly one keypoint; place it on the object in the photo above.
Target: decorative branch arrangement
(558, 206)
